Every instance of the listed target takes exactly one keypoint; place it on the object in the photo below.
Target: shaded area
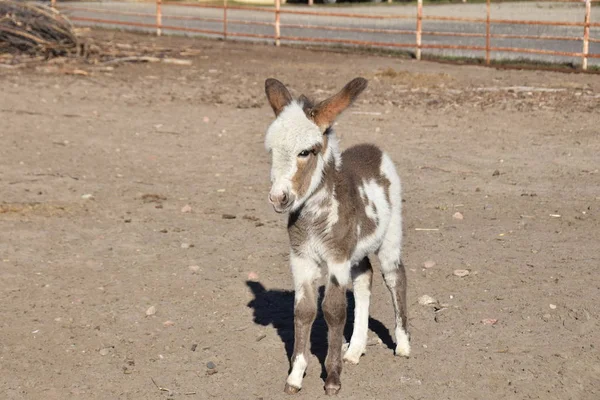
(276, 307)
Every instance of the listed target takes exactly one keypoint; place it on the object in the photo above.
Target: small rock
(228, 216)
(166, 324)
(150, 311)
(104, 351)
(87, 196)
(211, 365)
(553, 306)
(194, 269)
(253, 276)
(194, 346)
(496, 173)
(261, 337)
(376, 341)
(205, 119)
(489, 321)
(428, 264)
(426, 300)
(461, 272)
(546, 317)
(186, 209)
(410, 381)
(458, 215)
(186, 245)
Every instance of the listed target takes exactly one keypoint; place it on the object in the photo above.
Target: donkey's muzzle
(281, 202)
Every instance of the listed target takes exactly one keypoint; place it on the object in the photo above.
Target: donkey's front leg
(334, 310)
(305, 273)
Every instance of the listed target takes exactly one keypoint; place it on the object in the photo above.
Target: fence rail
(417, 45)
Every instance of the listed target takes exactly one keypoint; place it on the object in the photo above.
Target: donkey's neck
(320, 199)
(332, 153)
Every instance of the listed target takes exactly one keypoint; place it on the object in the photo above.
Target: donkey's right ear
(277, 94)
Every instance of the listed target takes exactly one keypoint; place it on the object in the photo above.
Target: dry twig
(34, 28)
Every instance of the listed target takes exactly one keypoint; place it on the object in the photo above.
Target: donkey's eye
(304, 153)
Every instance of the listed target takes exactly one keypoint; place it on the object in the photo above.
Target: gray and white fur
(342, 207)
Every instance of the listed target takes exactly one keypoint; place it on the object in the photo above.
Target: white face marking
(291, 133)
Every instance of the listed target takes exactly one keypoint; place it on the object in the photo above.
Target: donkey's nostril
(284, 198)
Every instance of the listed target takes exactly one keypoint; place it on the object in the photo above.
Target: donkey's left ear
(327, 111)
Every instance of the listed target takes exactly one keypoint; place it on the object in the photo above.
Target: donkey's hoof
(289, 389)
(403, 350)
(352, 357)
(332, 385)
(332, 391)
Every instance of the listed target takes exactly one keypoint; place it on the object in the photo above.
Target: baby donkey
(342, 207)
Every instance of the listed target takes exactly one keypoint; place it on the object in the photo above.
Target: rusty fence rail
(155, 22)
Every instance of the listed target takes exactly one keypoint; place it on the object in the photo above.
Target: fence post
(419, 28)
(311, 2)
(277, 27)
(586, 35)
(224, 19)
(158, 17)
(487, 32)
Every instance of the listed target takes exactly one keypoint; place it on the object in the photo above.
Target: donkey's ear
(327, 111)
(277, 94)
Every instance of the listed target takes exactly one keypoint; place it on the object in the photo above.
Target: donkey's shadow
(276, 307)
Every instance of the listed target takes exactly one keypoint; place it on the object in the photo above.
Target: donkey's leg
(362, 277)
(305, 273)
(395, 280)
(334, 310)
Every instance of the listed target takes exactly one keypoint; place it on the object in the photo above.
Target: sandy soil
(77, 275)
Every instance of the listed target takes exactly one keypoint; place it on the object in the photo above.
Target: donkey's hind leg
(395, 280)
(362, 277)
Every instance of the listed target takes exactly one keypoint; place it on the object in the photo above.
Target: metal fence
(411, 39)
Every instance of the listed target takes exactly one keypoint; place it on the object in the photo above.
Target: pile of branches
(34, 29)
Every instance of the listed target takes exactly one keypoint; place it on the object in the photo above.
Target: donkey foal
(342, 207)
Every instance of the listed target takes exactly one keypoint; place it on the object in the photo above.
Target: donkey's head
(298, 143)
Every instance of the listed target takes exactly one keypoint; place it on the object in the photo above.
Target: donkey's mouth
(281, 210)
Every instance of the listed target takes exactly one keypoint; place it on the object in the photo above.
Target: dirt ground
(515, 152)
